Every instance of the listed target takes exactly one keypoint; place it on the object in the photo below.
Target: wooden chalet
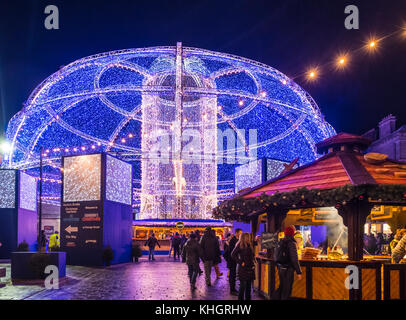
(352, 182)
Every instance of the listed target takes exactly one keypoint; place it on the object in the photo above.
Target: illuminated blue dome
(98, 100)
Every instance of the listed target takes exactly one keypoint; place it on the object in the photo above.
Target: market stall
(164, 228)
(343, 179)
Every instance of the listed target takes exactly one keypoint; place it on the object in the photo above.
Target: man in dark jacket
(210, 249)
(191, 254)
(287, 262)
(231, 263)
(176, 245)
(151, 243)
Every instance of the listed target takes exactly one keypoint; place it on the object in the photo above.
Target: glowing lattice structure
(124, 102)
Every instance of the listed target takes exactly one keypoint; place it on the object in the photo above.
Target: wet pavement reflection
(163, 279)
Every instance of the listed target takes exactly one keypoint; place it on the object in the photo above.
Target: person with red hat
(287, 262)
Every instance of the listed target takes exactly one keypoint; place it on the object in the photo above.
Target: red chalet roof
(335, 169)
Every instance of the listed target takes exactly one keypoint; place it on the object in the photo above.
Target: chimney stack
(386, 126)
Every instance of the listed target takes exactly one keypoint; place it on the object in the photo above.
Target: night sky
(288, 35)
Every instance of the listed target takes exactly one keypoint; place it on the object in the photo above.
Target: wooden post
(354, 217)
(274, 221)
(254, 227)
(270, 222)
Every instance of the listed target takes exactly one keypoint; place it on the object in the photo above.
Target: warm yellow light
(312, 74)
(372, 44)
(341, 61)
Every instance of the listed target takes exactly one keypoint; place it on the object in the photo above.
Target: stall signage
(180, 225)
(382, 212)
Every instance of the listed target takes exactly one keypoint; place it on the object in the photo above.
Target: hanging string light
(312, 74)
(371, 45)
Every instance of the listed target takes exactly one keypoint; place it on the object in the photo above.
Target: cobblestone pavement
(163, 279)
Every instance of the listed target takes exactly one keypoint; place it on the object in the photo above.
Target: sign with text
(81, 225)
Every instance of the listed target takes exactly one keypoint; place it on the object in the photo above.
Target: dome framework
(117, 101)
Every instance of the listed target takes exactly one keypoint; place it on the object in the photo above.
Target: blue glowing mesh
(98, 100)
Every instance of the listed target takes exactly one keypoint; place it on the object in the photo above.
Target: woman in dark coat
(243, 255)
(217, 258)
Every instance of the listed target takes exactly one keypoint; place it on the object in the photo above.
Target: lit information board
(118, 180)
(7, 189)
(248, 175)
(256, 172)
(28, 192)
(82, 178)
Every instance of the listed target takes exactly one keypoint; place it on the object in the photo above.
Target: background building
(388, 139)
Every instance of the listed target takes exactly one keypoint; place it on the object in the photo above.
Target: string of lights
(341, 61)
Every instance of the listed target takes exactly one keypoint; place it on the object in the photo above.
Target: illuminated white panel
(248, 175)
(82, 178)
(274, 168)
(7, 188)
(28, 192)
(118, 180)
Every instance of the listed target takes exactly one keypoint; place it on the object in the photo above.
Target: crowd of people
(379, 244)
(53, 242)
(238, 253)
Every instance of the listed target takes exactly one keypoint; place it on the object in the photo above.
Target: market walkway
(162, 279)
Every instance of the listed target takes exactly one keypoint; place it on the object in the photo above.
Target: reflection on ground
(163, 279)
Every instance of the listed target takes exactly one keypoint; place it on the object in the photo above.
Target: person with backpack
(243, 255)
(210, 249)
(287, 261)
(191, 254)
(151, 243)
(176, 242)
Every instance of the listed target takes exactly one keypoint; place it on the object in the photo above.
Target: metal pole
(40, 200)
